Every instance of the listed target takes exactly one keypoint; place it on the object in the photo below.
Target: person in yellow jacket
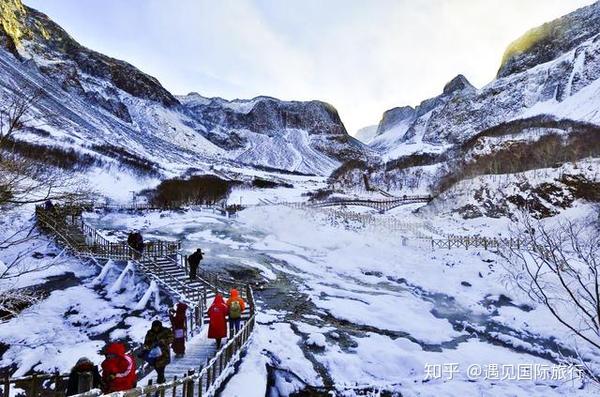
(236, 306)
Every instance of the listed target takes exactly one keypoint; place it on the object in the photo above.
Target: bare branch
(559, 267)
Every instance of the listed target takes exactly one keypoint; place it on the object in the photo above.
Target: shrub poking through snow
(200, 189)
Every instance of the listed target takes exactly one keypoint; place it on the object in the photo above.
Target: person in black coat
(136, 242)
(194, 262)
(84, 376)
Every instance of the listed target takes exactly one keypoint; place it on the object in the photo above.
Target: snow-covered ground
(83, 305)
(356, 310)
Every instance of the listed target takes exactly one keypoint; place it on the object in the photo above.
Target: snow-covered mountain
(292, 135)
(92, 100)
(548, 86)
(558, 62)
(366, 134)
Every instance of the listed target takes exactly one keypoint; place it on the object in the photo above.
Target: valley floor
(358, 311)
(355, 310)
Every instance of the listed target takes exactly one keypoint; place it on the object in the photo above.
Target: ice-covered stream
(358, 311)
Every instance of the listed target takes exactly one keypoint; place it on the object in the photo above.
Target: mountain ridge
(547, 107)
(303, 136)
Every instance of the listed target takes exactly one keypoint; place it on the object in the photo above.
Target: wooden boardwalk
(204, 367)
(199, 349)
(379, 205)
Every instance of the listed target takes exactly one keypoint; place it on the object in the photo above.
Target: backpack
(235, 310)
(85, 382)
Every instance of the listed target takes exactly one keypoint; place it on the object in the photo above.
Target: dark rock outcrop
(459, 83)
(227, 122)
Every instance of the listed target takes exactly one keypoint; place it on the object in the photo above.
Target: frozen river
(359, 311)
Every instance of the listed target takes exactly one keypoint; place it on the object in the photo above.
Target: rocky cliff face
(554, 63)
(394, 117)
(100, 98)
(551, 40)
(545, 101)
(31, 35)
(305, 130)
(263, 115)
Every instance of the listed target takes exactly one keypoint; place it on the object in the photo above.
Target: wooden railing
(55, 385)
(381, 205)
(121, 250)
(209, 375)
(486, 243)
(95, 243)
(370, 221)
(221, 208)
(416, 230)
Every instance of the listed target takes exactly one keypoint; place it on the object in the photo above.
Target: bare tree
(24, 181)
(16, 114)
(559, 267)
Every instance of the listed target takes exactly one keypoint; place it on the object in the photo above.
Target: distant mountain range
(542, 111)
(91, 98)
(547, 90)
(546, 71)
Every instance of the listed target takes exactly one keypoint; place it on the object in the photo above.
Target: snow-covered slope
(366, 134)
(301, 136)
(545, 103)
(92, 98)
(540, 72)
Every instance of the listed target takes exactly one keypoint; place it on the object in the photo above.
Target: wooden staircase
(198, 287)
(162, 262)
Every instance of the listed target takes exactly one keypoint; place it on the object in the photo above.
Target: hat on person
(156, 323)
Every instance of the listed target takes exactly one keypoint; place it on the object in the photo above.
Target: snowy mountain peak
(459, 83)
(394, 117)
(31, 35)
(550, 40)
(541, 71)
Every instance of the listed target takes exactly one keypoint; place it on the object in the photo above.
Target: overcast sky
(362, 56)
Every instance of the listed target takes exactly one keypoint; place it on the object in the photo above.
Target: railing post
(33, 389)
(175, 386)
(190, 386)
(149, 393)
(207, 376)
(6, 391)
(200, 383)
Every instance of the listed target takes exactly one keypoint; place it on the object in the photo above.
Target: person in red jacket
(217, 314)
(118, 369)
(179, 327)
